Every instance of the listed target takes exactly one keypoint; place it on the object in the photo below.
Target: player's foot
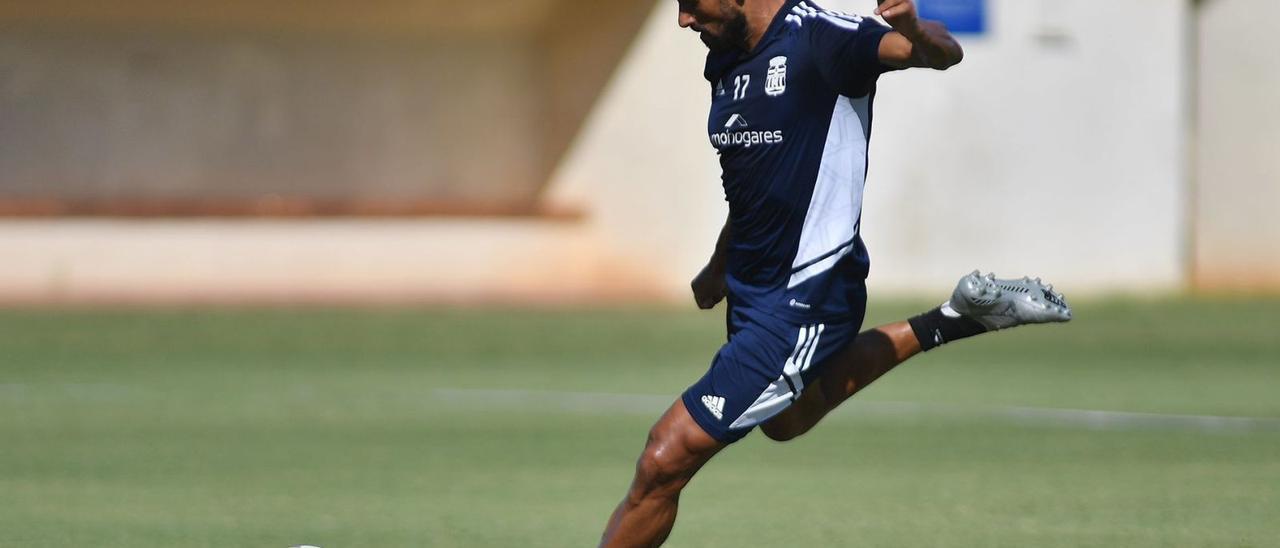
(1001, 304)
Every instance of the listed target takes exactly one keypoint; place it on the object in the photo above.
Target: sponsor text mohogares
(746, 139)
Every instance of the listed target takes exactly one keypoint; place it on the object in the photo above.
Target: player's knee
(660, 471)
(657, 473)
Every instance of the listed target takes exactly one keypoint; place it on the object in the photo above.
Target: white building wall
(1056, 148)
(1237, 233)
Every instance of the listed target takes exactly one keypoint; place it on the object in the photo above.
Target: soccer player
(792, 86)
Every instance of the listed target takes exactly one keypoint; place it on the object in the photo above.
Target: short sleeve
(846, 49)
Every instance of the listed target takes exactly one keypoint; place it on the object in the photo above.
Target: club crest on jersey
(775, 82)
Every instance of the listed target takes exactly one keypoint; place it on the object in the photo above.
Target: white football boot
(1001, 304)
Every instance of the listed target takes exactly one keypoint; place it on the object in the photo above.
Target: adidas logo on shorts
(715, 404)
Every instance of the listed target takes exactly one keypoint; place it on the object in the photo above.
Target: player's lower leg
(676, 449)
(979, 304)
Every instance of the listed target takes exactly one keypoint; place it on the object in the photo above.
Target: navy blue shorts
(763, 369)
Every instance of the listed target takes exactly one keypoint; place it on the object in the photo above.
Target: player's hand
(901, 15)
(709, 287)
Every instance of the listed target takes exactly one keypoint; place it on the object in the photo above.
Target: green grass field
(362, 428)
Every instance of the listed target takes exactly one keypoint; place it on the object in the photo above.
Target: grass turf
(383, 428)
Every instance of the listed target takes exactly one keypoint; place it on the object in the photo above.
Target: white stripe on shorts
(813, 348)
(779, 395)
(791, 368)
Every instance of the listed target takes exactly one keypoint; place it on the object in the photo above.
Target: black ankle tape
(934, 329)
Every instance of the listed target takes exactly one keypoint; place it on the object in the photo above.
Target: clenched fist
(709, 287)
(901, 15)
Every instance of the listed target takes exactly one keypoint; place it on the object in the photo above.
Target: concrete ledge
(94, 261)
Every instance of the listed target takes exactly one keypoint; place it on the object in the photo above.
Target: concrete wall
(106, 261)
(1237, 233)
(242, 99)
(343, 101)
(106, 114)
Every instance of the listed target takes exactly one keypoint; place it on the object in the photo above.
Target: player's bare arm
(915, 42)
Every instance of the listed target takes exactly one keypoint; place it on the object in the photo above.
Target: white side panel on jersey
(831, 222)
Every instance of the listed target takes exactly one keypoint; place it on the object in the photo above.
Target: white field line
(605, 404)
(82, 392)
(596, 403)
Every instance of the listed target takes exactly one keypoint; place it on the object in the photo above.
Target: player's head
(722, 24)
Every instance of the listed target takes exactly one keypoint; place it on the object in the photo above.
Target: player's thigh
(813, 404)
(831, 387)
(839, 376)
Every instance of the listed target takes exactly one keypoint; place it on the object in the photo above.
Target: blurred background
(415, 272)
(540, 150)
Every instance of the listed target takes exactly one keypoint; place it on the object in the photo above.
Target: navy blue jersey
(791, 121)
